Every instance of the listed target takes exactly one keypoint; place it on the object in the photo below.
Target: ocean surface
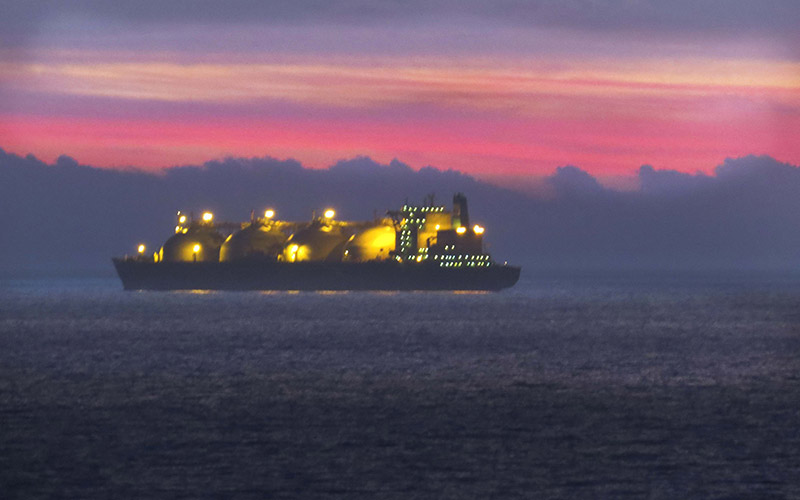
(604, 386)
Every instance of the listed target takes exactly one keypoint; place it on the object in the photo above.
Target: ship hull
(270, 275)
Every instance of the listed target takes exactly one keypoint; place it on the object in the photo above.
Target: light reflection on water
(591, 388)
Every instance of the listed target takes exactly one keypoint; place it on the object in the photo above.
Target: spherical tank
(253, 241)
(195, 245)
(316, 242)
(373, 243)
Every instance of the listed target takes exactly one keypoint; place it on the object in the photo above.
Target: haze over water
(615, 386)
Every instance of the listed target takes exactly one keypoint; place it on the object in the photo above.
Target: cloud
(668, 182)
(594, 14)
(747, 215)
(67, 216)
(572, 181)
(730, 18)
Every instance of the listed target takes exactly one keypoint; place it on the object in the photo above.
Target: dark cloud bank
(70, 218)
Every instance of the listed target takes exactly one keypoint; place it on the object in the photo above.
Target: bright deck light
(196, 248)
(182, 219)
(293, 253)
(478, 229)
(208, 216)
(329, 213)
(461, 230)
(269, 213)
(141, 248)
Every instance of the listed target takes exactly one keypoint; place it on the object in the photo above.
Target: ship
(418, 247)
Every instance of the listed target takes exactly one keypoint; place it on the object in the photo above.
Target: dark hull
(268, 275)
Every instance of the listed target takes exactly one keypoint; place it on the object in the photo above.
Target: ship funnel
(460, 212)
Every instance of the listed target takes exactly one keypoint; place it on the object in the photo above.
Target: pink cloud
(504, 117)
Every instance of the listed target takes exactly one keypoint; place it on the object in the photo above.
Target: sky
(504, 90)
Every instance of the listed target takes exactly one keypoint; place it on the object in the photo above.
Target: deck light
(269, 213)
(478, 229)
(293, 253)
(208, 216)
(461, 230)
(329, 213)
(182, 219)
(141, 248)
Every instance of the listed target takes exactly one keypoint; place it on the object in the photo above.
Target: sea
(571, 385)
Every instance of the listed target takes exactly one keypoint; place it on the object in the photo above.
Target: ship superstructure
(423, 247)
(431, 233)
